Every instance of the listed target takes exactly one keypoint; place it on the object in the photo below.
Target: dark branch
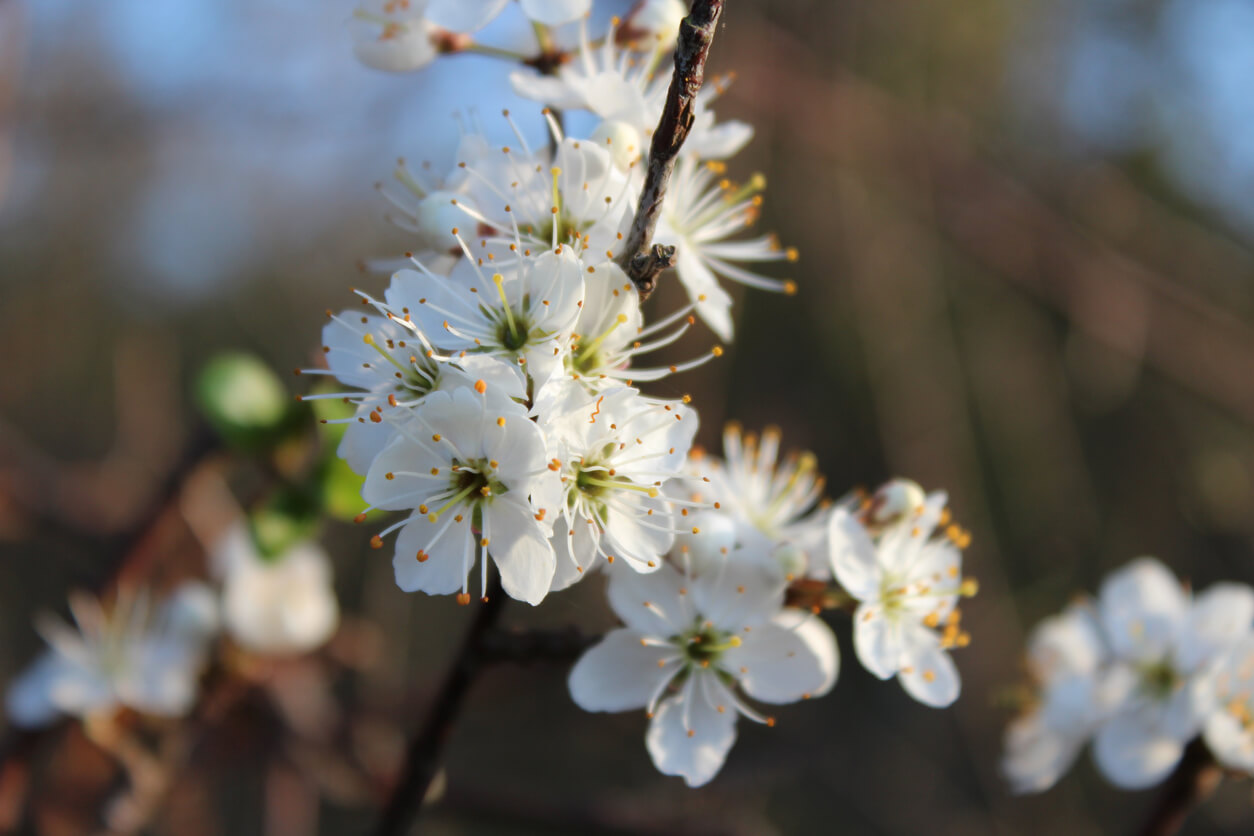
(422, 760)
(641, 259)
(1194, 780)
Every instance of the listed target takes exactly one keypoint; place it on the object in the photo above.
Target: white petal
(1230, 741)
(520, 548)
(1067, 643)
(445, 568)
(734, 594)
(1220, 617)
(928, 673)
(1035, 755)
(853, 556)
(575, 553)
(555, 12)
(785, 662)
(620, 674)
(628, 538)
(713, 303)
(876, 641)
(689, 736)
(401, 492)
(162, 678)
(28, 702)
(361, 443)
(1134, 755)
(651, 602)
(1143, 609)
(720, 141)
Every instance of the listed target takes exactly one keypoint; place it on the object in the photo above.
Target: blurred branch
(422, 760)
(1192, 782)
(643, 261)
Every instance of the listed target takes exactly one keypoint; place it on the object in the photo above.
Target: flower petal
(1143, 608)
(785, 662)
(436, 568)
(1036, 756)
(689, 735)
(619, 673)
(1220, 616)
(1132, 754)
(853, 556)
(876, 641)
(928, 673)
(651, 602)
(28, 702)
(555, 12)
(522, 551)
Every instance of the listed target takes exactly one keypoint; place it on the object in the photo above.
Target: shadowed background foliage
(1026, 276)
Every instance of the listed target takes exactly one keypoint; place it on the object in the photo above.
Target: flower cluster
(732, 617)
(1141, 671)
(495, 405)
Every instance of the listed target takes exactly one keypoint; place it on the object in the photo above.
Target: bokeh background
(1027, 276)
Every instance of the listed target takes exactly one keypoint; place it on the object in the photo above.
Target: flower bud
(436, 217)
(621, 139)
(892, 501)
(657, 19)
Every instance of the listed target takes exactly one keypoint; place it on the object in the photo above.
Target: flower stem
(422, 760)
(1193, 781)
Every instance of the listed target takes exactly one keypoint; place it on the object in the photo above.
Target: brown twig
(641, 259)
(1193, 781)
(422, 760)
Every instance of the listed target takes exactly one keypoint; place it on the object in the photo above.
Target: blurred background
(1026, 276)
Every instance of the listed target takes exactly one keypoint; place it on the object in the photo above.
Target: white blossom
(521, 312)
(465, 465)
(1162, 640)
(702, 210)
(907, 585)
(125, 656)
(767, 504)
(279, 605)
(690, 646)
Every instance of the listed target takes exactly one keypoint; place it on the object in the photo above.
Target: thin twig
(422, 760)
(641, 259)
(1194, 780)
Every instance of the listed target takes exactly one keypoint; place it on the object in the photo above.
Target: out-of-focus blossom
(128, 655)
(280, 605)
(1161, 640)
